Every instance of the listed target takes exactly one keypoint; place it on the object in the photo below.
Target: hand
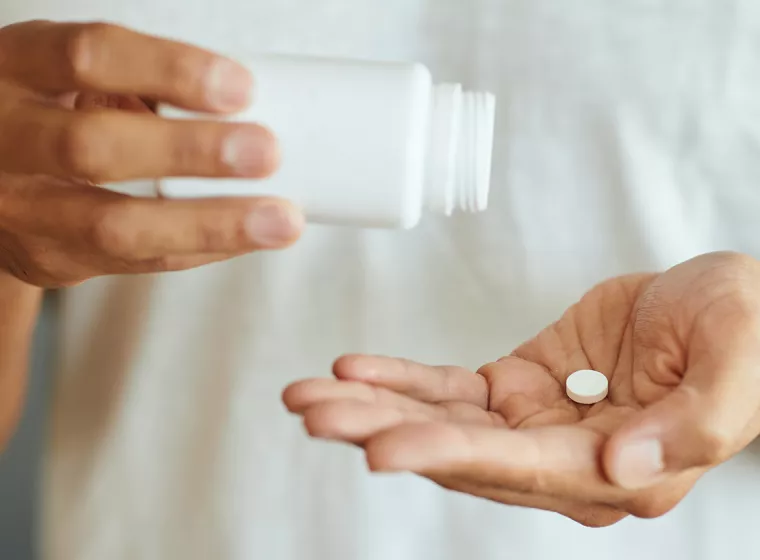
(75, 111)
(680, 350)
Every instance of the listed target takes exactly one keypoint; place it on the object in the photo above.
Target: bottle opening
(460, 149)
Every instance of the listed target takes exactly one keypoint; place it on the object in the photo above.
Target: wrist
(15, 293)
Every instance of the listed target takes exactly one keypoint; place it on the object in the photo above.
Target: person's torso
(626, 140)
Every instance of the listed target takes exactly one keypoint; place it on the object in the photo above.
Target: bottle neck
(460, 150)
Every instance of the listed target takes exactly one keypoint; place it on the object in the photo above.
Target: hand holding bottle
(74, 112)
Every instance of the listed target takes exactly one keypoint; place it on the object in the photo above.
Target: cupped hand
(75, 112)
(681, 351)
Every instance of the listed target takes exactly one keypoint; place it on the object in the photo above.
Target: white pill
(587, 386)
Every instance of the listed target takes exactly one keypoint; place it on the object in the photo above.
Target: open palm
(679, 350)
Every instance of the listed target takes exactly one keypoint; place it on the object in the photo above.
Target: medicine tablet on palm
(587, 386)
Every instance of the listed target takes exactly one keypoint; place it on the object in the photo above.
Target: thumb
(704, 421)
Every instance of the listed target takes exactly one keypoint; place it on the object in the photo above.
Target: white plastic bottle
(369, 144)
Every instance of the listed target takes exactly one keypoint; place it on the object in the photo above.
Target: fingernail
(249, 152)
(228, 85)
(273, 225)
(639, 465)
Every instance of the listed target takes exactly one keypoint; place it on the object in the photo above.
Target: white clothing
(628, 140)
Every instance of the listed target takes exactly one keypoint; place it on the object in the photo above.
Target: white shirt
(627, 140)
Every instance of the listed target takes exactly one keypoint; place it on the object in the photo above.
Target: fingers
(110, 146)
(59, 57)
(74, 268)
(555, 469)
(544, 466)
(90, 101)
(557, 462)
(305, 394)
(172, 263)
(426, 383)
(709, 417)
(589, 515)
(353, 412)
(355, 422)
(145, 229)
(108, 225)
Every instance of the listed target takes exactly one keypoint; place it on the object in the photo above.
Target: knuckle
(212, 238)
(44, 267)
(83, 149)
(651, 507)
(319, 423)
(163, 263)
(447, 484)
(47, 271)
(23, 271)
(195, 148)
(535, 483)
(491, 370)
(660, 500)
(715, 446)
(84, 50)
(709, 438)
(184, 72)
(107, 233)
(598, 518)
(25, 262)
(66, 283)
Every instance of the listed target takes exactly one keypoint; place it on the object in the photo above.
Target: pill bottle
(362, 143)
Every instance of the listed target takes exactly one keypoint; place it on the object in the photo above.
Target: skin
(680, 350)
(77, 110)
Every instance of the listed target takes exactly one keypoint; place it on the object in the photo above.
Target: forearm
(19, 308)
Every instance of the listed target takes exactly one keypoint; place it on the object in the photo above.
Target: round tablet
(587, 386)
